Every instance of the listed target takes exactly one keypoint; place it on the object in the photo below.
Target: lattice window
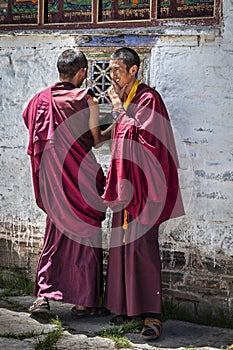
(99, 73)
(101, 79)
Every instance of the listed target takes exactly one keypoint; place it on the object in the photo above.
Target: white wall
(192, 68)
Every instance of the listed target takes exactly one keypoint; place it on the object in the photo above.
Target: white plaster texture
(193, 71)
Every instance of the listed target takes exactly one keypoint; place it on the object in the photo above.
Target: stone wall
(192, 68)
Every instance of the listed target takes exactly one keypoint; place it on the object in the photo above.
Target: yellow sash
(126, 105)
(131, 94)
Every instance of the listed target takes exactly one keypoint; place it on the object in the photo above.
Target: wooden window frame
(95, 23)
(101, 60)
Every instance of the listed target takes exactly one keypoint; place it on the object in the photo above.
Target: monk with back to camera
(68, 183)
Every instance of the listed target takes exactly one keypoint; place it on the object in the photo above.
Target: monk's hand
(114, 94)
(92, 101)
(119, 91)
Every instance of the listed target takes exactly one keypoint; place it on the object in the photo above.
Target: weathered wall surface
(193, 71)
(193, 74)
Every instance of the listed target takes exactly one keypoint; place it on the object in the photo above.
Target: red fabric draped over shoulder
(68, 182)
(143, 176)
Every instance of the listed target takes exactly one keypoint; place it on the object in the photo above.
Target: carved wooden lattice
(101, 80)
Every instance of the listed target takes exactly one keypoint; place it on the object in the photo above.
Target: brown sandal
(90, 312)
(152, 328)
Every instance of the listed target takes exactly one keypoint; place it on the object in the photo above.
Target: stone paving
(18, 330)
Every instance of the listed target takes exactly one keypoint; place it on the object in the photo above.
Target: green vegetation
(15, 282)
(120, 342)
(171, 310)
(133, 326)
(49, 342)
(116, 333)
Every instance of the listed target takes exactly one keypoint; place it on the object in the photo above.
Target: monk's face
(120, 74)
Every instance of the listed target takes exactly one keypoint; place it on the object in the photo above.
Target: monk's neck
(129, 88)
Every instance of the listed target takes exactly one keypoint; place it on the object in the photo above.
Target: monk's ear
(83, 72)
(133, 70)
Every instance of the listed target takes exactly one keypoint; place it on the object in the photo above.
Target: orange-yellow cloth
(131, 94)
(126, 104)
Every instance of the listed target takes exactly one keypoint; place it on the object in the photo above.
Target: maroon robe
(143, 180)
(67, 183)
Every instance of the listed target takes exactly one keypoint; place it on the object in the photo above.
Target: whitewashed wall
(194, 75)
(192, 68)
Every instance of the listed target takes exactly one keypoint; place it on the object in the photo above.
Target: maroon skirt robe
(67, 183)
(69, 271)
(143, 180)
(134, 271)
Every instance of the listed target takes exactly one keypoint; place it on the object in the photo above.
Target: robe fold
(67, 179)
(142, 180)
(143, 174)
(68, 184)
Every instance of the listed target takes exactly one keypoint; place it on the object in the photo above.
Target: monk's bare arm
(98, 135)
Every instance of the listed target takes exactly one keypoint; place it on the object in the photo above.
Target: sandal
(152, 328)
(90, 312)
(118, 320)
(40, 305)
